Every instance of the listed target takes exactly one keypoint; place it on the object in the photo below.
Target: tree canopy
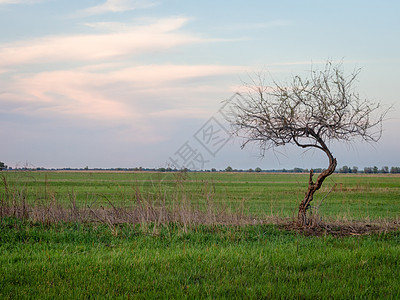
(309, 112)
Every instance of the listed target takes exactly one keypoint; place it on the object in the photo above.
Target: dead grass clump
(344, 227)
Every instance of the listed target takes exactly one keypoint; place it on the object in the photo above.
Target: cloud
(110, 94)
(97, 79)
(115, 6)
(157, 36)
(19, 1)
(145, 100)
(68, 94)
(109, 26)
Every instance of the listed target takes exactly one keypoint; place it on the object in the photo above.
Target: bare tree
(308, 112)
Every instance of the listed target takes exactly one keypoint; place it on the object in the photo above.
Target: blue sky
(125, 83)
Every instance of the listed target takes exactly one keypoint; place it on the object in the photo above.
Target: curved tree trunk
(312, 188)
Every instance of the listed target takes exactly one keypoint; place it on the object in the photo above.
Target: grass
(67, 235)
(87, 261)
(354, 197)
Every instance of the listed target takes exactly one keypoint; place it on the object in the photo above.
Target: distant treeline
(344, 169)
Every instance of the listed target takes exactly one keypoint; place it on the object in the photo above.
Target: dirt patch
(344, 229)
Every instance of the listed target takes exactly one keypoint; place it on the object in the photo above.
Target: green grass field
(146, 260)
(354, 197)
(75, 261)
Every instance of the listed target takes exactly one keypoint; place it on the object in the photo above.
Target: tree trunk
(312, 188)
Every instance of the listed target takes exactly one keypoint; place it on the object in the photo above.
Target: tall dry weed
(156, 207)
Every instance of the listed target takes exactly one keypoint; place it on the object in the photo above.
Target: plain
(188, 259)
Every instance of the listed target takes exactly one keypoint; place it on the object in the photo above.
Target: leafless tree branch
(308, 112)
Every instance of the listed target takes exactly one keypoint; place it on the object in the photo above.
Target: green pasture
(98, 260)
(87, 261)
(352, 197)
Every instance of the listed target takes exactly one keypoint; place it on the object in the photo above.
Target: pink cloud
(105, 89)
(94, 47)
(115, 6)
(116, 94)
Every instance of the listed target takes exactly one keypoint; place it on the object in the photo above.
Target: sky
(130, 83)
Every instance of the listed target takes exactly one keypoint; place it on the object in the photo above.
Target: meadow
(228, 239)
(355, 197)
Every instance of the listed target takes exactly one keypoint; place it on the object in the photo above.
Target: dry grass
(137, 208)
(343, 226)
(153, 209)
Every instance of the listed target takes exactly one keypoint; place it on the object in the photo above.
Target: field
(353, 197)
(196, 235)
